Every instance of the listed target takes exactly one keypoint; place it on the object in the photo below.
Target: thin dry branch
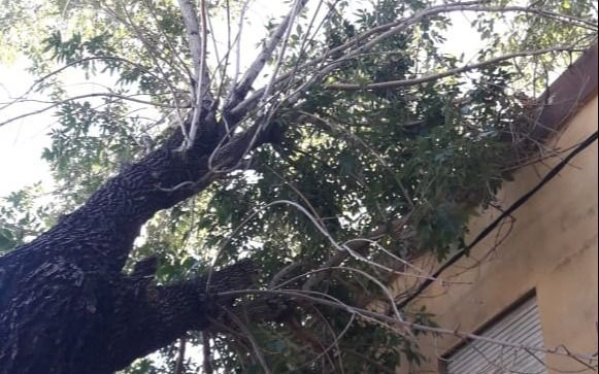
(244, 85)
(362, 43)
(444, 74)
(319, 346)
(250, 337)
(79, 97)
(154, 56)
(357, 246)
(390, 322)
(74, 63)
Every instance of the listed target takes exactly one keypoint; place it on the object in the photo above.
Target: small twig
(248, 335)
(73, 98)
(390, 322)
(150, 48)
(444, 74)
(71, 64)
(407, 196)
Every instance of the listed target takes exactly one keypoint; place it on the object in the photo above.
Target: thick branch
(98, 236)
(158, 315)
(68, 320)
(196, 46)
(66, 307)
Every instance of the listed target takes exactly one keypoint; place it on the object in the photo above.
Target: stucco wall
(551, 250)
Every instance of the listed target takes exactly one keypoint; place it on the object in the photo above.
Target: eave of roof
(568, 94)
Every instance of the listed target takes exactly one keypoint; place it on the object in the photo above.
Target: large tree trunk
(65, 304)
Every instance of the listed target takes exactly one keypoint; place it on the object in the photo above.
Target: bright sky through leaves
(22, 142)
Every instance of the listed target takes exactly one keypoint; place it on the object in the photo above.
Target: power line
(483, 234)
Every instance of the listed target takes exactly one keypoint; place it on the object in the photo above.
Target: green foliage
(90, 143)
(22, 218)
(356, 160)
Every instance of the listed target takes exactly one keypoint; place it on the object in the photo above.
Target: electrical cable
(484, 233)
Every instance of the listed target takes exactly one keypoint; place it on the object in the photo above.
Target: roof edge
(576, 86)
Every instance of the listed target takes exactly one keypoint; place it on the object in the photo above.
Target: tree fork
(65, 304)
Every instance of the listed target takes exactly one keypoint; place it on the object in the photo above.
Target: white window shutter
(521, 326)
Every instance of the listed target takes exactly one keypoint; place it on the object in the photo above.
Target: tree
(272, 219)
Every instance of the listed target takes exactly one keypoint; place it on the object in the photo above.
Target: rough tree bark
(65, 304)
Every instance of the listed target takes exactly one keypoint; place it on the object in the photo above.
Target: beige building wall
(551, 251)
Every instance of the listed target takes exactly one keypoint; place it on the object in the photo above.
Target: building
(538, 286)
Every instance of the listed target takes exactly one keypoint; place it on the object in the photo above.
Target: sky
(22, 141)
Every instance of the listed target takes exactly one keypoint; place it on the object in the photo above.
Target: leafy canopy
(408, 158)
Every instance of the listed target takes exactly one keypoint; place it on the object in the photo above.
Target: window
(521, 326)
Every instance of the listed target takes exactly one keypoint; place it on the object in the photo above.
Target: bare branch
(248, 335)
(197, 45)
(444, 74)
(71, 64)
(243, 87)
(358, 40)
(362, 43)
(392, 323)
(149, 46)
(79, 97)
(356, 246)
(269, 87)
(202, 92)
